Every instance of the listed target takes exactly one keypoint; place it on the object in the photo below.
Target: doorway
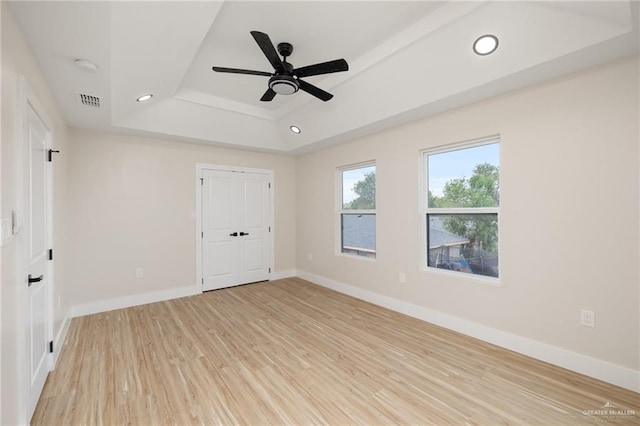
(234, 226)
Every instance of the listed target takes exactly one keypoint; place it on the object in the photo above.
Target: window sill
(494, 282)
(355, 256)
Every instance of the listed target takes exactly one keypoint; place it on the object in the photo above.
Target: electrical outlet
(587, 318)
(402, 277)
(139, 272)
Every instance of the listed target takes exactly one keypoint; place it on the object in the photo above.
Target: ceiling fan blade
(315, 91)
(264, 42)
(323, 68)
(239, 71)
(268, 95)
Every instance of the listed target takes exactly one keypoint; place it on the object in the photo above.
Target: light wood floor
(289, 352)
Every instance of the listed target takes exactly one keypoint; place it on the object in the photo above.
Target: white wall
(568, 223)
(18, 59)
(132, 204)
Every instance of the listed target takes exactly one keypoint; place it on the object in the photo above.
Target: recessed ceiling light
(144, 97)
(485, 45)
(295, 129)
(85, 65)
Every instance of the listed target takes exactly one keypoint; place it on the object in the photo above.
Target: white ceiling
(406, 60)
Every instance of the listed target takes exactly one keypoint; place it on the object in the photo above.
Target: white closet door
(235, 228)
(38, 297)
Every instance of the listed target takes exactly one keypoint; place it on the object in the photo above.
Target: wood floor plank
(290, 352)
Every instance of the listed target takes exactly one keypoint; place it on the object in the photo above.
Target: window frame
(340, 211)
(425, 210)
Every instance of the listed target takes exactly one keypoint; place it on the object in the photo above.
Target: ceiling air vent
(89, 100)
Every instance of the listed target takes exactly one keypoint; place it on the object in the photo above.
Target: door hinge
(201, 181)
(269, 270)
(269, 229)
(50, 346)
(50, 254)
(202, 234)
(202, 281)
(269, 185)
(49, 156)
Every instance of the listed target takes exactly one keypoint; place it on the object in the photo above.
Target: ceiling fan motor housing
(284, 84)
(285, 49)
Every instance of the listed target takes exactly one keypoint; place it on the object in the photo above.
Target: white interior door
(235, 228)
(38, 298)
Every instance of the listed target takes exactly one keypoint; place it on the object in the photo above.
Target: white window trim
(424, 210)
(339, 210)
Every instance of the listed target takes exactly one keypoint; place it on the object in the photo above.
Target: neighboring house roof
(359, 231)
(439, 237)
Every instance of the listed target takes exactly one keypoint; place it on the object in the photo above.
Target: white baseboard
(287, 273)
(58, 340)
(602, 370)
(133, 300)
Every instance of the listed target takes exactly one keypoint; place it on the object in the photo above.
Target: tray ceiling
(407, 60)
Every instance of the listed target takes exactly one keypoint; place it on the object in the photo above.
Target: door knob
(32, 280)
(242, 234)
(234, 234)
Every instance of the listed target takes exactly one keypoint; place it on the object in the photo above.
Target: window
(357, 210)
(462, 207)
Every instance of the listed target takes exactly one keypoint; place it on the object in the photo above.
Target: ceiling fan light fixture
(295, 129)
(283, 84)
(485, 45)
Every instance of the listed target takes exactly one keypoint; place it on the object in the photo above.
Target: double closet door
(236, 233)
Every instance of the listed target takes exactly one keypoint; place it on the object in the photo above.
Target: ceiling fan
(286, 80)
